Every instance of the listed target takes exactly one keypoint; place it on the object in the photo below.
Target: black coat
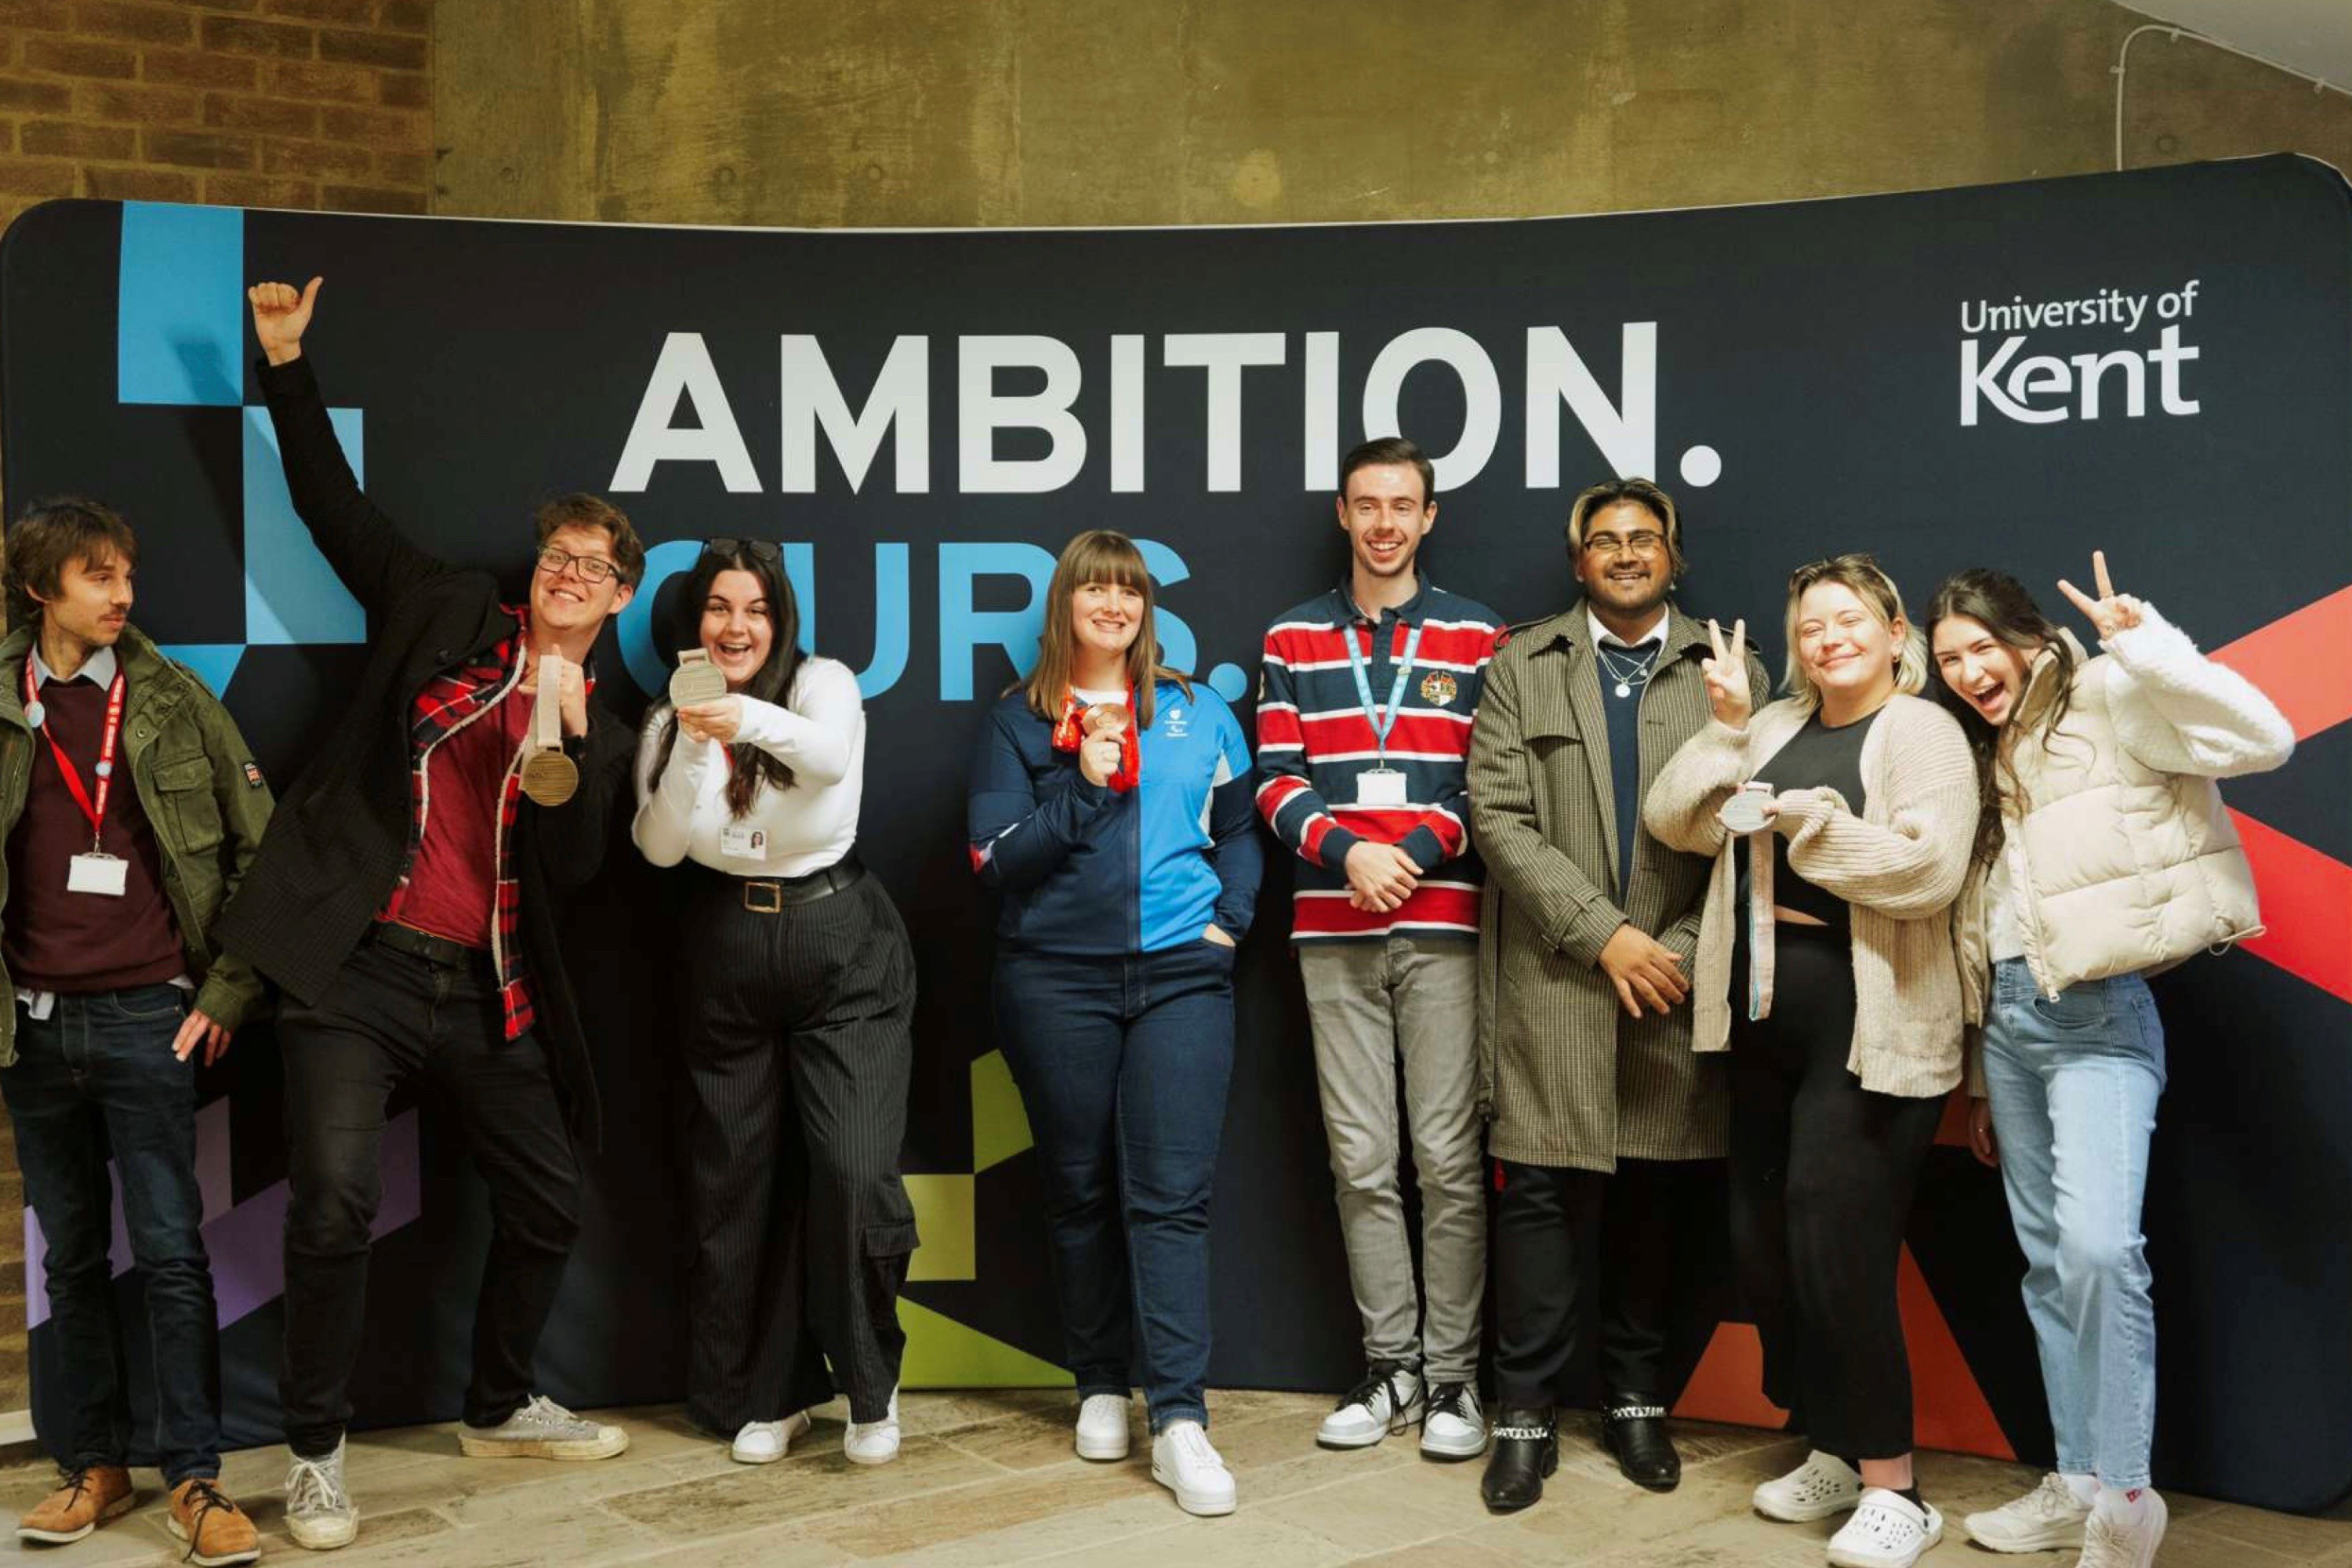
(334, 849)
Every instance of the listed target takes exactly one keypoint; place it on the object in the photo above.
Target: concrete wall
(1084, 111)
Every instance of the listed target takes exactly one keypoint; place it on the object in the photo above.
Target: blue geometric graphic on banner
(215, 662)
(179, 334)
(291, 595)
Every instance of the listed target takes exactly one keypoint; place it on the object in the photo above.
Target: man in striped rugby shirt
(1363, 723)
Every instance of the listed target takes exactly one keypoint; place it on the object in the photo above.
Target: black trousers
(1822, 1172)
(798, 1049)
(1550, 1223)
(388, 1018)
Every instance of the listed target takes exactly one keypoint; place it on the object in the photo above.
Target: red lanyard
(94, 810)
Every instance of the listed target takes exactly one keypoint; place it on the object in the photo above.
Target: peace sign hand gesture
(2111, 611)
(1727, 676)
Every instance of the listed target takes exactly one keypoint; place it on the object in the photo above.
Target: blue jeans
(2073, 1085)
(1123, 1065)
(97, 1075)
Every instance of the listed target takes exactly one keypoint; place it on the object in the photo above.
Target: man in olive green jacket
(129, 808)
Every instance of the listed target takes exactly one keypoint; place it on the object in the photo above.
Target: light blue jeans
(2073, 1085)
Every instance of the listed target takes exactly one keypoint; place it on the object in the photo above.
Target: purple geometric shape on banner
(245, 1241)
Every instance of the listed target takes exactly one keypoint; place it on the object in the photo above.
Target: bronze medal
(696, 680)
(551, 778)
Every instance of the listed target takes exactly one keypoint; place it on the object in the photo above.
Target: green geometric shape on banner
(1000, 1123)
(943, 1353)
(943, 1218)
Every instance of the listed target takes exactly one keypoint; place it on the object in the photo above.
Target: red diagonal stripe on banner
(2304, 894)
(2298, 661)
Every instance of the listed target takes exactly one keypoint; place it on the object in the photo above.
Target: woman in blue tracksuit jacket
(1129, 863)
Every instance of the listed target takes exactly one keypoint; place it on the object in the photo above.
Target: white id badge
(1380, 786)
(96, 873)
(737, 842)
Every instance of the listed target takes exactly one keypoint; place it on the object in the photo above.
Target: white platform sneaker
(765, 1442)
(2044, 1519)
(873, 1442)
(1184, 1462)
(1102, 1426)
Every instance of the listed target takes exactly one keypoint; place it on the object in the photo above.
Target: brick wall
(280, 103)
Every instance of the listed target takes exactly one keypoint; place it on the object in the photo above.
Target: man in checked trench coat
(1605, 1124)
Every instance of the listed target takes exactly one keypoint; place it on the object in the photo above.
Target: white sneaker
(873, 1442)
(1886, 1531)
(2107, 1545)
(1821, 1486)
(2044, 1520)
(541, 1429)
(1102, 1426)
(1452, 1426)
(765, 1442)
(1184, 1462)
(1387, 1399)
(319, 1511)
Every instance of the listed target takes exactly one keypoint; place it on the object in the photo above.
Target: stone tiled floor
(988, 1479)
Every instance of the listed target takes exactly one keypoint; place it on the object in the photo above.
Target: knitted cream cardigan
(1899, 865)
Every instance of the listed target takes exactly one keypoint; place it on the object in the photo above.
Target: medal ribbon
(1356, 664)
(94, 810)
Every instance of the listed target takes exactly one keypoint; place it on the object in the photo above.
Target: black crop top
(1818, 756)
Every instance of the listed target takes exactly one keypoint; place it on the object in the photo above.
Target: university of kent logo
(1437, 688)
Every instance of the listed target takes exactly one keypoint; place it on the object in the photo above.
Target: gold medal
(549, 776)
(695, 679)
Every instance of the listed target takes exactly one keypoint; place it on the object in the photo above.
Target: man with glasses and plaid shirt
(405, 901)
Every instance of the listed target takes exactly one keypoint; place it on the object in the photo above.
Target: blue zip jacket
(1088, 872)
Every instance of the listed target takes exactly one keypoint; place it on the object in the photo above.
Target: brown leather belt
(768, 895)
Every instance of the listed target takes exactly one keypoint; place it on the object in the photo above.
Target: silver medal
(695, 679)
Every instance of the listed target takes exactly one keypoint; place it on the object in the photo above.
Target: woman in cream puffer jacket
(2105, 855)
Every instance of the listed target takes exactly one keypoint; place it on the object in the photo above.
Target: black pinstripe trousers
(798, 1051)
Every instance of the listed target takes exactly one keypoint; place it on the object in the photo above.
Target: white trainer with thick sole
(1102, 1428)
(765, 1442)
(2046, 1519)
(1184, 1462)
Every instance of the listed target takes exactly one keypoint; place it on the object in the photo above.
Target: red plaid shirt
(449, 703)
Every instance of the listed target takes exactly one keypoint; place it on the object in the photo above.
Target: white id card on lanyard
(1380, 788)
(97, 873)
(1382, 785)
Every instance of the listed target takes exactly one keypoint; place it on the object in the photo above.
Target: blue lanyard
(1381, 727)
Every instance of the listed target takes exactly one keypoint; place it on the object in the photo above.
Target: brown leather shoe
(215, 1528)
(88, 1499)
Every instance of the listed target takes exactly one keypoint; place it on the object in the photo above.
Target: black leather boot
(1634, 1430)
(1526, 1449)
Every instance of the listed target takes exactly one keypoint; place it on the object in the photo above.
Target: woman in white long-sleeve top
(2104, 855)
(797, 986)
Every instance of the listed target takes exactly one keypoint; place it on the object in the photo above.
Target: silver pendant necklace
(1633, 674)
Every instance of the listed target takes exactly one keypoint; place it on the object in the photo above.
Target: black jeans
(1822, 1172)
(99, 1076)
(800, 1050)
(1552, 1224)
(388, 1016)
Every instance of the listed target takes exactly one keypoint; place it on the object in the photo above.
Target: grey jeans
(1371, 1003)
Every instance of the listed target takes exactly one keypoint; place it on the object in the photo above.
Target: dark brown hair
(1999, 602)
(46, 536)
(581, 509)
(772, 683)
(1390, 452)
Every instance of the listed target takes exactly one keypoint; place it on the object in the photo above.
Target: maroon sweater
(82, 942)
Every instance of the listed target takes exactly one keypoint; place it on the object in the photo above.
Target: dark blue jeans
(1123, 1065)
(95, 1076)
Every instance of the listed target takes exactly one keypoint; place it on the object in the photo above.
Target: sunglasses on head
(758, 549)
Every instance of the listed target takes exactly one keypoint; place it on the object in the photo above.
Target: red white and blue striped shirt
(1315, 739)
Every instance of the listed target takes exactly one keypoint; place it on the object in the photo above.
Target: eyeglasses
(1606, 545)
(758, 549)
(592, 568)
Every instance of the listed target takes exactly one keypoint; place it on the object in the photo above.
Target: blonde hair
(1634, 492)
(1097, 555)
(1869, 582)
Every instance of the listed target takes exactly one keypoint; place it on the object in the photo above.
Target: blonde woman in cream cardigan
(1826, 967)
(2104, 855)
